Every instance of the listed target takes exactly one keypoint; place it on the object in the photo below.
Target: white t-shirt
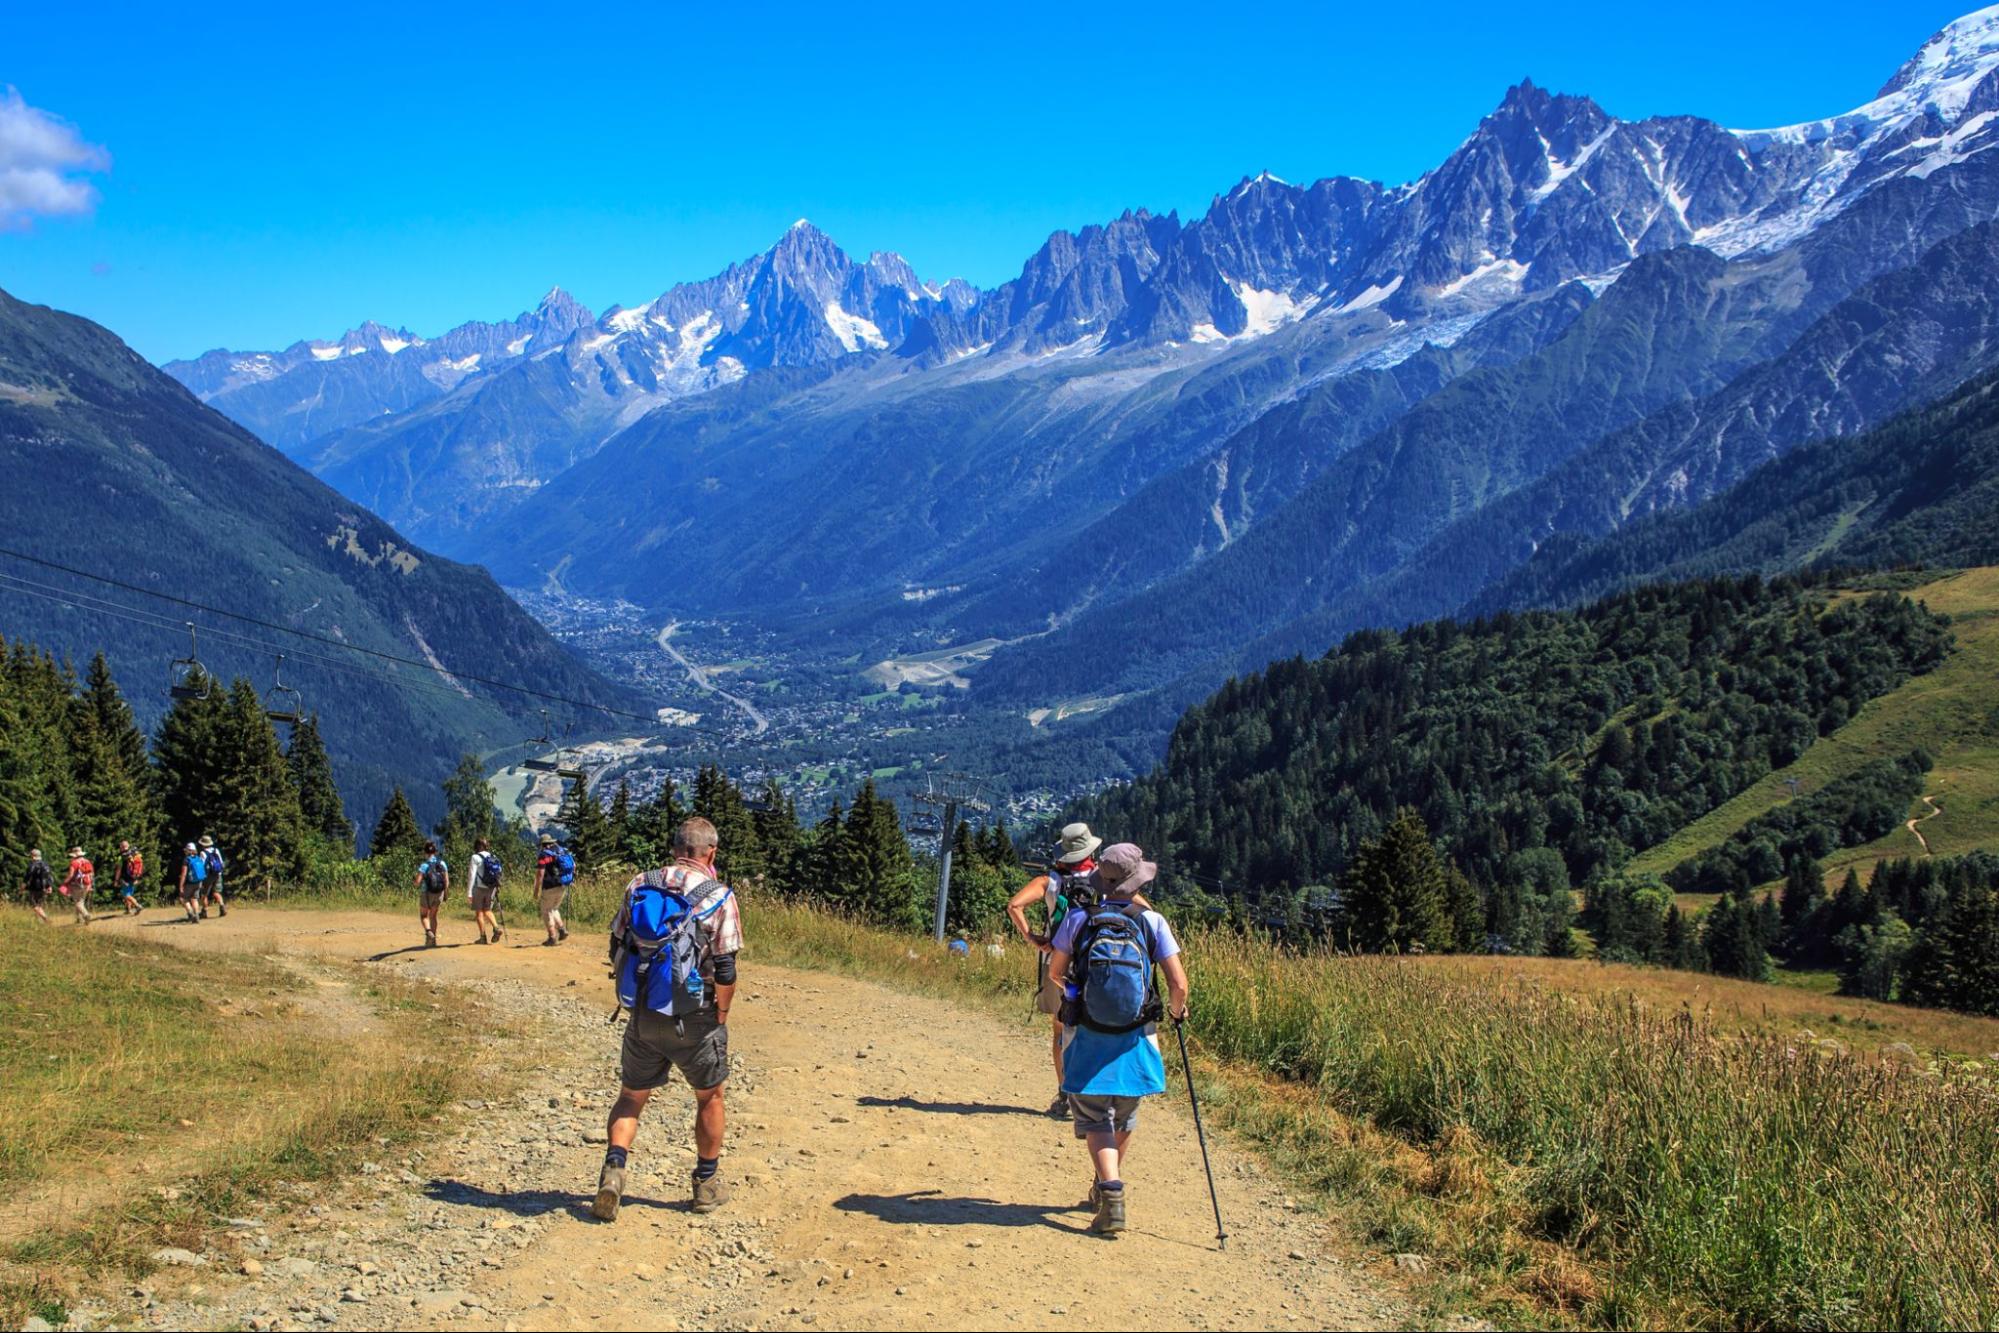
(473, 881)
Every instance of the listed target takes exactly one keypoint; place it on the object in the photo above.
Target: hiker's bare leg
(708, 1120)
(623, 1127)
(1108, 1151)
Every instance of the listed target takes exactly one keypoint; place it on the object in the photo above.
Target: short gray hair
(695, 836)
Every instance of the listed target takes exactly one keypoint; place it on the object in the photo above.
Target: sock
(707, 1167)
(1111, 1186)
(615, 1156)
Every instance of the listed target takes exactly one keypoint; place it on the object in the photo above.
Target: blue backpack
(197, 868)
(656, 944)
(1112, 969)
(565, 866)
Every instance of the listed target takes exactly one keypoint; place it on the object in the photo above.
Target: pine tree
(110, 803)
(739, 859)
(825, 869)
(1955, 961)
(188, 766)
(776, 818)
(884, 872)
(1394, 892)
(396, 833)
(622, 828)
(590, 838)
(469, 812)
(1466, 910)
(254, 815)
(319, 802)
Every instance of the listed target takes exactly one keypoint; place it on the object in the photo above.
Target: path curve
(1935, 810)
(699, 675)
(890, 1165)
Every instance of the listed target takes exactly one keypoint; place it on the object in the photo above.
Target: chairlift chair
(283, 703)
(187, 678)
(535, 764)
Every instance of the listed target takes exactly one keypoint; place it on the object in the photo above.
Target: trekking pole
(1200, 1135)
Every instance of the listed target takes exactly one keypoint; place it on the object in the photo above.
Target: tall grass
(1700, 1176)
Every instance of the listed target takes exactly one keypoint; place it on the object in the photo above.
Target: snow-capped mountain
(1150, 337)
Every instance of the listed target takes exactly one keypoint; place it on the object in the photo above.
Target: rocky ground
(889, 1166)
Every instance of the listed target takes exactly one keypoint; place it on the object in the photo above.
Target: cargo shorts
(1103, 1115)
(430, 902)
(656, 1044)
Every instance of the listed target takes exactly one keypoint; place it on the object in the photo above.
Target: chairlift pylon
(283, 703)
(187, 678)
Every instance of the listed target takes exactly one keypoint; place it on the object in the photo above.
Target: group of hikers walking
(554, 872)
(673, 948)
(198, 888)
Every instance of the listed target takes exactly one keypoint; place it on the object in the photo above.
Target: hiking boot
(610, 1192)
(709, 1193)
(430, 939)
(548, 943)
(497, 932)
(561, 933)
(1059, 1108)
(204, 914)
(221, 910)
(1110, 1211)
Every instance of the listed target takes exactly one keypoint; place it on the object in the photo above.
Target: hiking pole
(1200, 1135)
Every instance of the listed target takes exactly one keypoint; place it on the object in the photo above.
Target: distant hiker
(1072, 881)
(39, 881)
(193, 870)
(1108, 953)
(76, 885)
(131, 870)
(673, 957)
(211, 857)
(433, 880)
(554, 872)
(482, 891)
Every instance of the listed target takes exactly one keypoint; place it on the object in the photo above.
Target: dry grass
(146, 1091)
(1569, 1154)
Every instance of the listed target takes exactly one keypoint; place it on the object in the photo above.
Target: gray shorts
(657, 1044)
(1103, 1115)
(430, 902)
(482, 899)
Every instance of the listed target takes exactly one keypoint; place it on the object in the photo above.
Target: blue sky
(282, 171)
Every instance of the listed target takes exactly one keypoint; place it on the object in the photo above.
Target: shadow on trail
(948, 1108)
(413, 948)
(934, 1209)
(532, 1203)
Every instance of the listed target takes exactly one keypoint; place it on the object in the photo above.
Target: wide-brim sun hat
(76, 851)
(548, 840)
(207, 841)
(191, 847)
(1078, 844)
(1125, 869)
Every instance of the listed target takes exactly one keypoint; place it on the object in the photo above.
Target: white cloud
(43, 165)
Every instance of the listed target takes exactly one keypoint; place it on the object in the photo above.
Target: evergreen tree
(255, 815)
(469, 811)
(1872, 956)
(319, 802)
(622, 828)
(825, 870)
(884, 872)
(716, 799)
(127, 745)
(188, 766)
(775, 816)
(590, 837)
(1394, 892)
(1733, 936)
(396, 833)
(653, 825)
(1466, 910)
(110, 803)
(1955, 962)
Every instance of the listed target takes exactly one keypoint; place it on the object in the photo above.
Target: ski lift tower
(951, 792)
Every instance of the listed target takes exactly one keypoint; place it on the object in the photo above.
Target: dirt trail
(890, 1166)
(1935, 810)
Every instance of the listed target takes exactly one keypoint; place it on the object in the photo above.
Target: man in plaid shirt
(697, 1044)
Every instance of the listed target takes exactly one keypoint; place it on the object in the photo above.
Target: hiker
(482, 891)
(554, 872)
(673, 956)
(211, 858)
(76, 885)
(1108, 954)
(193, 870)
(433, 878)
(131, 870)
(1071, 881)
(38, 883)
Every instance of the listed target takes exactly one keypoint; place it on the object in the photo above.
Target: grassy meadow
(1576, 1151)
(146, 1091)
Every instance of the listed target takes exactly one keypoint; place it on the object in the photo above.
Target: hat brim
(1089, 850)
(1147, 872)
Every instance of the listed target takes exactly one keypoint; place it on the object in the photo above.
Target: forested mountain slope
(115, 469)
